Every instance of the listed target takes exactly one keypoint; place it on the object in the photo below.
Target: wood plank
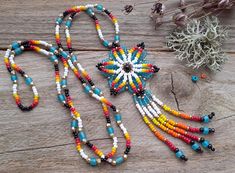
(40, 141)
(34, 19)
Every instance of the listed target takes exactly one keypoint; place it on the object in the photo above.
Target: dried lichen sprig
(199, 43)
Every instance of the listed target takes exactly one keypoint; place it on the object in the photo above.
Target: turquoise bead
(119, 160)
(28, 80)
(61, 97)
(82, 136)
(195, 146)
(13, 77)
(89, 11)
(99, 7)
(118, 117)
(53, 58)
(105, 43)
(74, 124)
(68, 23)
(59, 20)
(63, 82)
(97, 91)
(18, 51)
(205, 130)
(93, 161)
(64, 54)
(206, 119)
(110, 130)
(194, 79)
(87, 89)
(116, 38)
(15, 45)
(74, 58)
(52, 49)
(205, 143)
(179, 154)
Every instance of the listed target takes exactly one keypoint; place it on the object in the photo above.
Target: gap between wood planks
(98, 49)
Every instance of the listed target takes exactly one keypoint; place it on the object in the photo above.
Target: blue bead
(99, 7)
(118, 117)
(195, 146)
(116, 38)
(110, 130)
(74, 124)
(93, 161)
(97, 91)
(18, 51)
(64, 54)
(74, 58)
(63, 82)
(68, 23)
(89, 11)
(52, 49)
(206, 119)
(15, 45)
(179, 154)
(205, 143)
(61, 97)
(53, 58)
(28, 80)
(119, 160)
(105, 43)
(82, 135)
(13, 77)
(194, 79)
(87, 89)
(205, 130)
(59, 20)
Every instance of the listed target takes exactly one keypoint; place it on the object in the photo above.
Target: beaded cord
(130, 70)
(64, 97)
(86, 80)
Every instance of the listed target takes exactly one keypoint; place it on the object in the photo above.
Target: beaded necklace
(129, 70)
(61, 83)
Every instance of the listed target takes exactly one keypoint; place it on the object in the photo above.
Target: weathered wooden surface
(40, 141)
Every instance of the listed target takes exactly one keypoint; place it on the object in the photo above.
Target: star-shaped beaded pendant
(129, 69)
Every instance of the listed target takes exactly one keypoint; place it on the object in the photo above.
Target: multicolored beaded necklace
(64, 97)
(129, 70)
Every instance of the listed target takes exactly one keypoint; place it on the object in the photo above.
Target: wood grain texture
(40, 141)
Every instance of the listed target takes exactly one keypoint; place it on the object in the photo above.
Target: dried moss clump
(199, 43)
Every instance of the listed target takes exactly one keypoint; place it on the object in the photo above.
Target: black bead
(91, 82)
(176, 150)
(108, 120)
(201, 139)
(211, 115)
(201, 129)
(113, 107)
(184, 158)
(127, 67)
(89, 144)
(192, 142)
(70, 50)
(65, 13)
(72, 15)
(142, 45)
(115, 45)
(107, 12)
(9, 69)
(156, 69)
(99, 66)
(211, 130)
